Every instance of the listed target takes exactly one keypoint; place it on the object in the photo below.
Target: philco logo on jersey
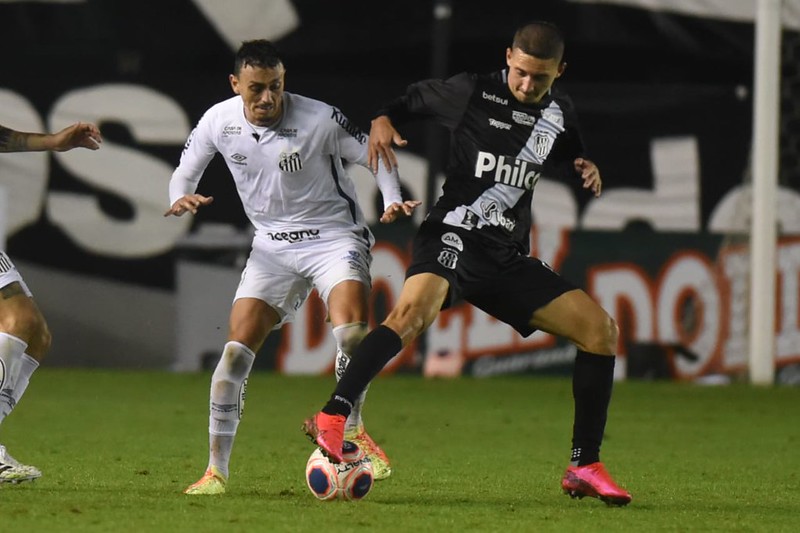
(514, 172)
(494, 98)
(294, 236)
(451, 239)
(227, 131)
(347, 126)
(523, 118)
(238, 159)
(290, 162)
(499, 125)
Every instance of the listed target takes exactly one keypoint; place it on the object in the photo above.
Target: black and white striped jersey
(499, 148)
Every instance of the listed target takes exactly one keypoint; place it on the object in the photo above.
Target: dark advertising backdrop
(664, 101)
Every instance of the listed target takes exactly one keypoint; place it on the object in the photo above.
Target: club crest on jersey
(451, 239)
(542, 143)
(507, 170)
(448, 258)
(290, 162)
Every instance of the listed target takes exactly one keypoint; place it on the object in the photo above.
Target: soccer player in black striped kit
(507, 129)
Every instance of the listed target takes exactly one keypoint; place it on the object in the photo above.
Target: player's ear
(508, 56)
(561, 68)
(234, 83)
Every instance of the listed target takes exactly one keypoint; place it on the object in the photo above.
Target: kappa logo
(499, 125)
(290, 162)
(452, 239)
(523, 118)
(494, 98)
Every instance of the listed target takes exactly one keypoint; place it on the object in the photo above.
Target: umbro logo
(238, 157)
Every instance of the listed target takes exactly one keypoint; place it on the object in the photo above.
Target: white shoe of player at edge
(12, 471)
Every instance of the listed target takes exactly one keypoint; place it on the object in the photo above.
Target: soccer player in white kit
(285, 154)
(24, 335)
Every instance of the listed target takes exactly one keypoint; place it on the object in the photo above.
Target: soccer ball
(351, 479)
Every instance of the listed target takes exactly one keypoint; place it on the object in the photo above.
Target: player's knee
(409, 322)
(605, 335)
(349, 336)
(28, 324)
(41, 341)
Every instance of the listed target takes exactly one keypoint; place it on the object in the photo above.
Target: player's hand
(188, 203)
(590, 175)
(381, 136)
(79, 135)
(397, 210)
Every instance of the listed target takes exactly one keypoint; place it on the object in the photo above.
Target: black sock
(368, 359)
(592, 380)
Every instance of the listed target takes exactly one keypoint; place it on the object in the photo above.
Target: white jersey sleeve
(356, 152)
(197, 154)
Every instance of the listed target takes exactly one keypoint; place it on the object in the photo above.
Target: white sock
(27, 367)
(11, 352)
(347, 338)
(228, 388)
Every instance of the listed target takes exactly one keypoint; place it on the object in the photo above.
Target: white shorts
(284, 276)
(9, 274)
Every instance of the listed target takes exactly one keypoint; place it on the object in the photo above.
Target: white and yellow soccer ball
(352, 479)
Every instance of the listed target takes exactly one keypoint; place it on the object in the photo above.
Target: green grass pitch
(117, 448)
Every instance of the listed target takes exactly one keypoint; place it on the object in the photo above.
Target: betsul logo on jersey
(494, 98)
(514, 172)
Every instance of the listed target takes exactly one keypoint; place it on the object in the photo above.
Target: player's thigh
(251, 321)
(419, 302)
(348, 302)
(18, 312)
(577, 317)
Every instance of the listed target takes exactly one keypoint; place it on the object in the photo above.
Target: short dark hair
(257, 53)
(541, 39)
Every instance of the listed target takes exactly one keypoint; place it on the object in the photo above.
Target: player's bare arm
(78, 135)
(590, 175)
(381, 136)
(399, 209)
(188, 203)
(11, 141)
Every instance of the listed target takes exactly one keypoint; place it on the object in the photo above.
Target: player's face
(261, 90)
(529, 77)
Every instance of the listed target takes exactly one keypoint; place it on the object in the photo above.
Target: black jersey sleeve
(445, 101)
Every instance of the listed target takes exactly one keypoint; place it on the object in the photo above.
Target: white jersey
(290, 177)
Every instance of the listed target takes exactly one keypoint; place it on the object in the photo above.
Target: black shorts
(494, 278)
